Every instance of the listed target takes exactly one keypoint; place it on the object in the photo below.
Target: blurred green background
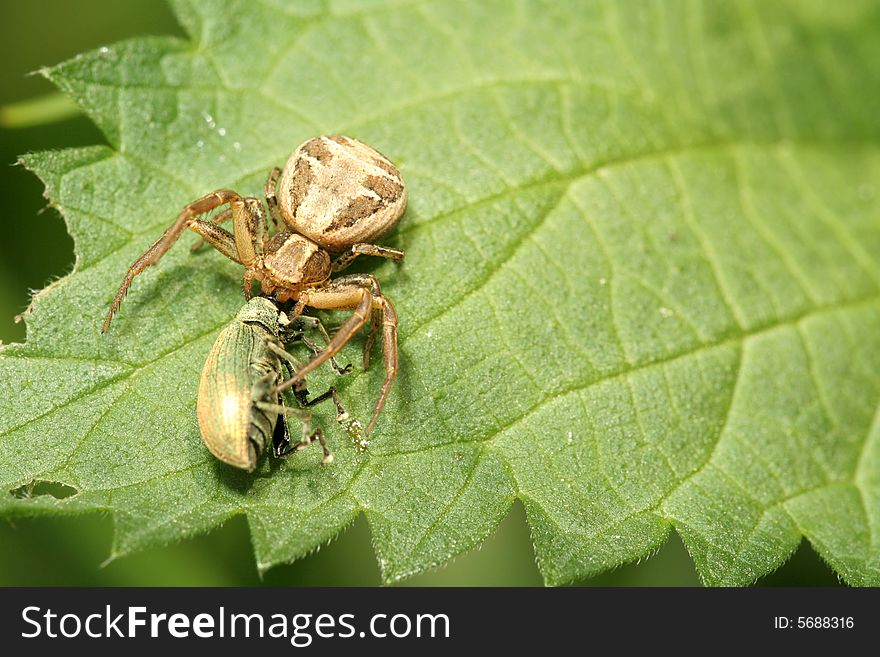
(35, 249)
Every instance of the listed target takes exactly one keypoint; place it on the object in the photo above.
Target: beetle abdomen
(224, 405)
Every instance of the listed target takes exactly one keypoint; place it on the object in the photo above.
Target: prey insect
(334, 199)
(240, 414)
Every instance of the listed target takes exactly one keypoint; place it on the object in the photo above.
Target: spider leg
(344, 260)
(256, 227)
(375, 325)
(369, 281)
(333, 297)
(360, 293)
(389, 352)
(221, 218)
(247, 284)
(250, 229)
(220, 238)
(161, 246)
(271, 200)
(260, 232)
(291, 365)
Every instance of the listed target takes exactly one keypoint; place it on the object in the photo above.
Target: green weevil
(238, 408)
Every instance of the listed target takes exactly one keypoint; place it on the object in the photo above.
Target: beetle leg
(311, 344)
(305, 322)
(308, 435)
(291, 364)
(307, 439)
(160, 247)
(351, 426)
(281, 435)
(297, 329)
(283, 354)
(360, 249)
(300, 390)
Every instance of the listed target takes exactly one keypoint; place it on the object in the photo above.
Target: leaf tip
(43, 71)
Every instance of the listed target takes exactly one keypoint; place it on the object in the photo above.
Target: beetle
(237, 407)
(334, 199)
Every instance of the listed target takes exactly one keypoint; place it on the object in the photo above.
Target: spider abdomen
(337, 191)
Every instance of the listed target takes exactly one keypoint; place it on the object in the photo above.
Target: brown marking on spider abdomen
(386, 166)
(343, 192)
(317, 149)
(300, 183)
(387, 189)
(357, 209)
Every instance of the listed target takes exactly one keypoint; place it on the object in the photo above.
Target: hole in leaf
(38, 487)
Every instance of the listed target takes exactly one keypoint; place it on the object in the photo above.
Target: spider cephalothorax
(335, 197)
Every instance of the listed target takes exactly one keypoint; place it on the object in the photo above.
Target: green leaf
(641, 292)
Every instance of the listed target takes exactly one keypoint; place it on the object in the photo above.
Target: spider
(335, 197)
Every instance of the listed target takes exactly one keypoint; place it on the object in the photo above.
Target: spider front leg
(360, 293)
(241, 246)
(368, 281)
(300, 391)
(160, 247)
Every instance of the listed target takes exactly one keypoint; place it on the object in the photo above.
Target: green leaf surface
(641, 291)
